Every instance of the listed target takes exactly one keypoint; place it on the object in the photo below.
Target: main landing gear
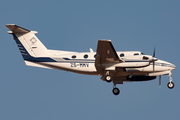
(170, 84)
(108, 79)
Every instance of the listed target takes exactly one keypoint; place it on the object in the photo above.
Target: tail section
(29, 45)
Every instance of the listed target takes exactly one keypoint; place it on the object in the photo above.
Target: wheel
(108, 78)
(170, 85)
(116, 91)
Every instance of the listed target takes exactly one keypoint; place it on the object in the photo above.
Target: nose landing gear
(170, 84)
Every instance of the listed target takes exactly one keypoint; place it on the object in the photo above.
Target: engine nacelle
(140, 78)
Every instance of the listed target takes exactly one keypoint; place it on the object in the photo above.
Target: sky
(30, 93)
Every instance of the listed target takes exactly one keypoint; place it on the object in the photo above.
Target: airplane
(113, 66)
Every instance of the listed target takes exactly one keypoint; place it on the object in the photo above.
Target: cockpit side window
(136, 53)
(142, 54)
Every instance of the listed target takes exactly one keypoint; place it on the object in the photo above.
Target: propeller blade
(154, 52)
(153, 66)
(154, 59)
(159, 81)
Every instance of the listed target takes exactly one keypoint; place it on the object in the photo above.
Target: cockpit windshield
(142, 53)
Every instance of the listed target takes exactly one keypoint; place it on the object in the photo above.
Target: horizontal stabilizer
(34, 64)
(16, 29)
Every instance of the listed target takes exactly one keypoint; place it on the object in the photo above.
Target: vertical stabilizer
(28, 44)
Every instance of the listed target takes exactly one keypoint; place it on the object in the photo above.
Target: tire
(170, 85)
(108, 78)
(116, 91)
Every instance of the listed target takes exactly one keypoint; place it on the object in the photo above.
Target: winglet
(16, 29)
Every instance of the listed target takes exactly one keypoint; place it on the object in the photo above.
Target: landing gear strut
(108, 79)
(170, 83)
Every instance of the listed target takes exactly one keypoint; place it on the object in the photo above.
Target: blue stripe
(66, 59)
(136, 61)
(41, 59)
(78, 59)
(22, 50)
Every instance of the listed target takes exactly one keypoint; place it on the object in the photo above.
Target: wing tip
(9, 24)
(105, 40)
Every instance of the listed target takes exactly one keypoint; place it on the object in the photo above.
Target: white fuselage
(84, 63)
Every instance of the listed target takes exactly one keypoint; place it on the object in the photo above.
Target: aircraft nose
(173, 66)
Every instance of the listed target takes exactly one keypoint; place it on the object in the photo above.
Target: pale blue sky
(29, 93)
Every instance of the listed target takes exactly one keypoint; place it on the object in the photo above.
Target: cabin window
(121, 55)
(95, 55)
(85, 56)
(136, 53)
(74, 56)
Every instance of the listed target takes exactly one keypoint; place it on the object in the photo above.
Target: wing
(107, 52)
(106, 55)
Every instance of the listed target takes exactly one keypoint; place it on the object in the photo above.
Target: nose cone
(173, 67)
(164, 65)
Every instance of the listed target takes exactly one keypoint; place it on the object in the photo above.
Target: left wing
(106, 54)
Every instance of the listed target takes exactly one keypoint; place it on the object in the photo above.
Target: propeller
(151, 60)
(154, 59)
